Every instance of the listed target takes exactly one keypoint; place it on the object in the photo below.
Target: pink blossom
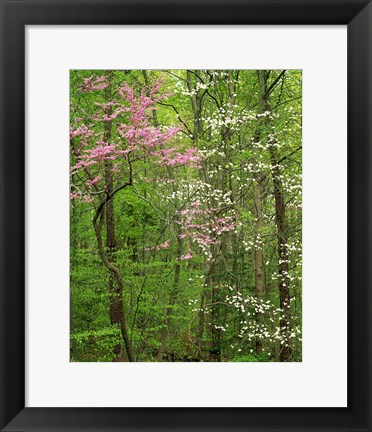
(171, 157)
(165, 244)
(158, 247)
(93, 182)
(186, 256)
(93, 83)
(134, 139)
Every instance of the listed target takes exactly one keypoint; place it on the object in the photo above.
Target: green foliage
(188, 300)
(96, 345)
(262, 357)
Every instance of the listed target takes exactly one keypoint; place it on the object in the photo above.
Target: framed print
(154, 156)
(94, 354)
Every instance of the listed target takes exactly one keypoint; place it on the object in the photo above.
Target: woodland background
(186, 215)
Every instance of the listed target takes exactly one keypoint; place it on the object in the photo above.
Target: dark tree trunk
(206, 295)
(73, 263)
(72, 330)
(280, 218)
(172, 301)
(257, 204)
(97, 223)
(258, 265)
(285, 351)
(114, 294)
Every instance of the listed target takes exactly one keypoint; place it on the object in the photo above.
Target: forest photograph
(185, 215)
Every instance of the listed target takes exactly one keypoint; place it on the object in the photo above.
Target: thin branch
(272, 86)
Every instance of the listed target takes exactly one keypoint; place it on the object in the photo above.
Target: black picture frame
(15, 15)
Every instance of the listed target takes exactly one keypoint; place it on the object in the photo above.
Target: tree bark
(206, 295)
(98, 221)
(115, 303)
(110, 216)
(258, 264)
(257, 204)
(172, 301)
(97, 224)
(73, 263)
(280, 217)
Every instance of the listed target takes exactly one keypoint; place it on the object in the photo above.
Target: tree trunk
(258, 264)
(119, 291)
(109, 209)
(172, 301)
(206, 295)
(280, 218)
(115, 303)
(97, 224)
(74, 245)
(257, 204)
(72, 330)
(285, 351)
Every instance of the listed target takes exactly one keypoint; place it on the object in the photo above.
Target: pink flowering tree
(204, 227)
(105, 163)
